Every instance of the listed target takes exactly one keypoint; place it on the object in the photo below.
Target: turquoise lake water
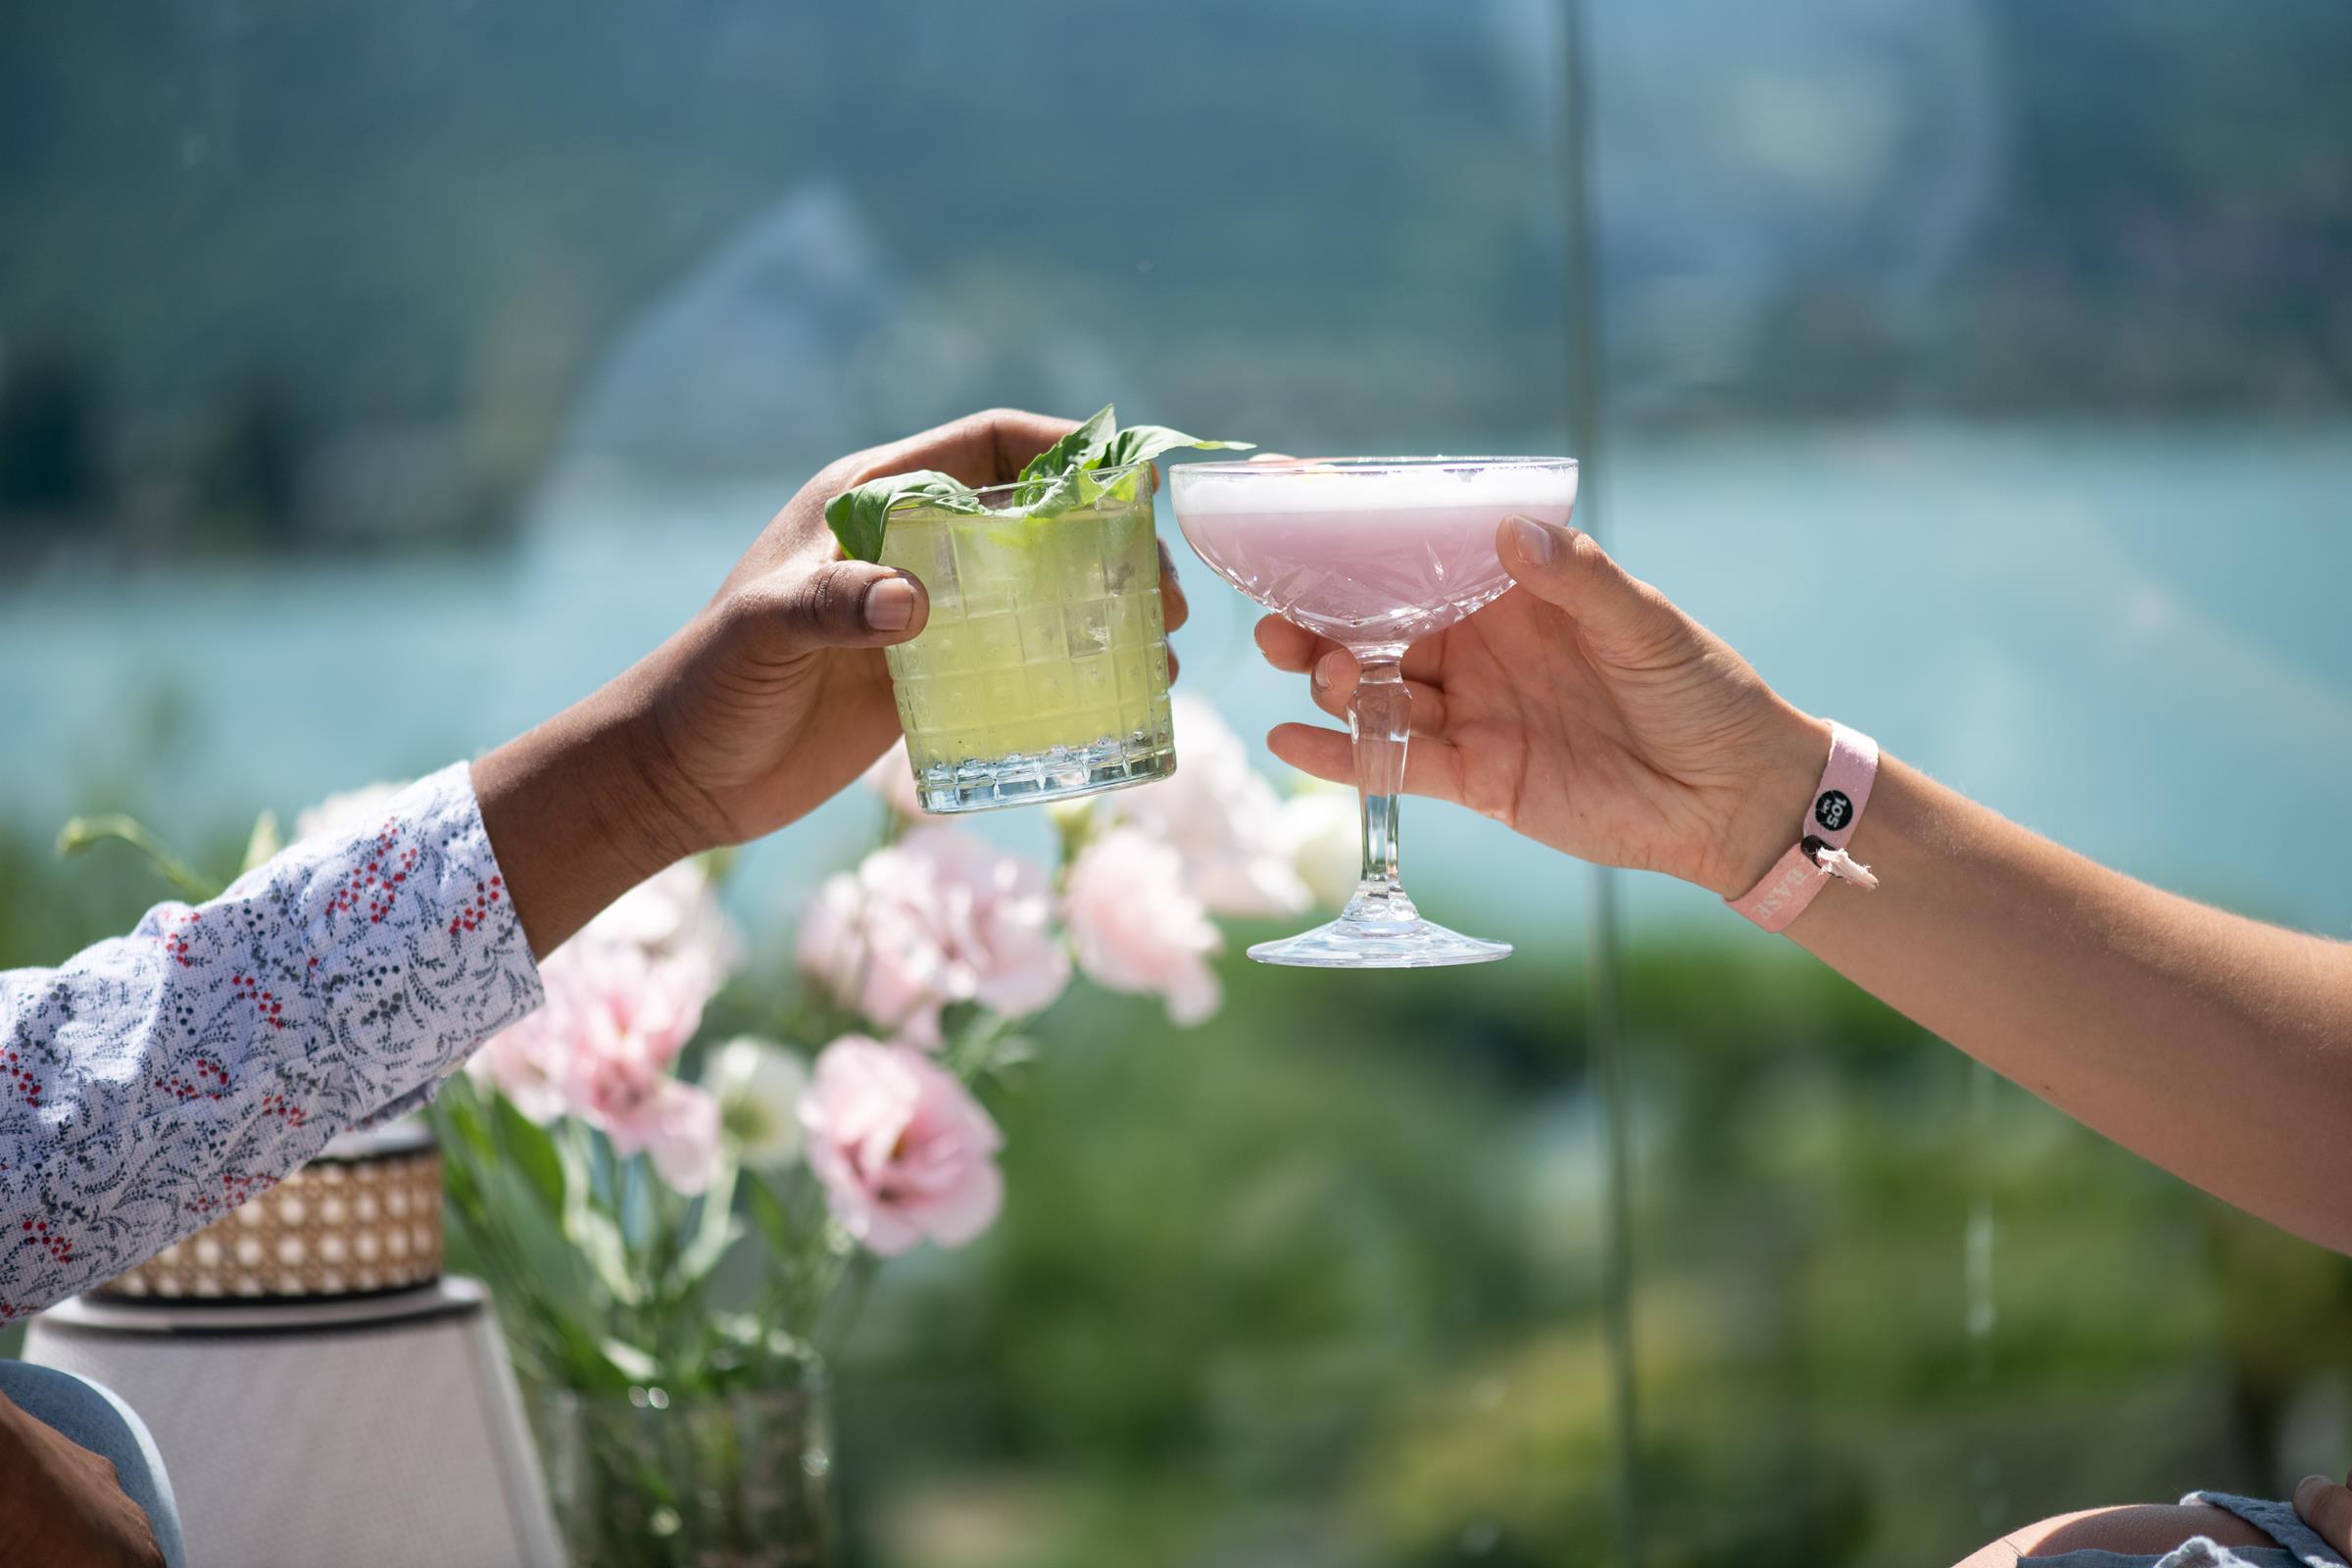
(2136, 639)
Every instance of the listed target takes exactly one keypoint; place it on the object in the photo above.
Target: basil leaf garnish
(859, 518)
(1062, 479)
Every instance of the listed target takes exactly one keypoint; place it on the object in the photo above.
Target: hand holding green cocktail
(1043, 671)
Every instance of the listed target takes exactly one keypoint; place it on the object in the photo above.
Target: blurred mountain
(449, 239)
(742, 354)
(796, 340)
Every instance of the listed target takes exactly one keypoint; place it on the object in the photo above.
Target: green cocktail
(1043, 671)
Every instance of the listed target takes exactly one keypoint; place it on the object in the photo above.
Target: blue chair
(94, 1417)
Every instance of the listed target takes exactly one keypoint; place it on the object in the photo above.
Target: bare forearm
(1587, 711)
(2214, 1045)
(571, 815)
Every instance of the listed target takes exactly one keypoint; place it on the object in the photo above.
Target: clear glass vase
(737, 1481)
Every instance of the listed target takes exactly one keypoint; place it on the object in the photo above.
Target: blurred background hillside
(289, 274)
(1984, 371)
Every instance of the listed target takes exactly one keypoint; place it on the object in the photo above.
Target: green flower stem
(81, 832)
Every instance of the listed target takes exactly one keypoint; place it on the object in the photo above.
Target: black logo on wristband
(1832, 811)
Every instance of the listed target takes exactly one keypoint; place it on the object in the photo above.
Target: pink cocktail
(1374, 554)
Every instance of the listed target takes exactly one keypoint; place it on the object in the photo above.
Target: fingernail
(1533, 540)
(890, 604)
(1327, 671)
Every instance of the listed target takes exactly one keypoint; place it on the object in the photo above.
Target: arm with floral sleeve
(154, 1080)
(157, 1079)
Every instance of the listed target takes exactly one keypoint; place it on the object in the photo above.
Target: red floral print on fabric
(470, 917)
(235, 1189)
(56, 1244)
(205, 1079)
(379, 881)
(129, 1085)
(21, 1080)
(176, 936)
(265, 1002)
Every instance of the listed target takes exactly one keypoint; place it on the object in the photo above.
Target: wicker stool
(317, 1390)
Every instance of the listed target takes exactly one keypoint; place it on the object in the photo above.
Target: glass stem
(1379, 718)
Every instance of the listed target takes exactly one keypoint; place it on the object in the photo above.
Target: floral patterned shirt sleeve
(154, 1080)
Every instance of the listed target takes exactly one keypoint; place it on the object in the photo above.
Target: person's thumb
(1564, 567)
(840, 604)
(2327, 1509)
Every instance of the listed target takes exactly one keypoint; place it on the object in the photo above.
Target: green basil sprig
(1063, 476)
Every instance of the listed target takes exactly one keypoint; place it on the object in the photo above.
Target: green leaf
(1060, 478)
(773, 1221)
(576, 1357)
(1012, 1051)
(264, 843)
(716, 1228)
(631, 1362)
(1141, 443)
(458, 1120)
(593, 1231)
(859, 518)
(530, 1152)
(1072, 490)
(1078, 486)
(959, 1019)
(81, 832)
(457, 1182)
(1082, 448)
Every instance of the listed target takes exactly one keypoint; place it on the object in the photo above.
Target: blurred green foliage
(1318, 1283)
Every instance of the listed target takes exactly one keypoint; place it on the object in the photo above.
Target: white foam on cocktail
(1369, 557)
(1366, 491)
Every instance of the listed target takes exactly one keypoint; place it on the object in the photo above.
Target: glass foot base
(1346, 944)
(1032, 778)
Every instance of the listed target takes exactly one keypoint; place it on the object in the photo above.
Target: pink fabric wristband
(1820, 854)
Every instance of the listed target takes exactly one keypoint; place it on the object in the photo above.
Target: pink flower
(627, 1014)
(359, 811)
(893, 779)
(678, 1126)
(674, 913)
(904, 1151)
(939, 916)
(601, 1048)
(1222, 816)
(1135, 925)
(522, 1060)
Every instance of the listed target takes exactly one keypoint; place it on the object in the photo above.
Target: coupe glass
(1374, 554)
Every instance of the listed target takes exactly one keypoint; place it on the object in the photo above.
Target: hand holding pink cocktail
(1374, 554)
